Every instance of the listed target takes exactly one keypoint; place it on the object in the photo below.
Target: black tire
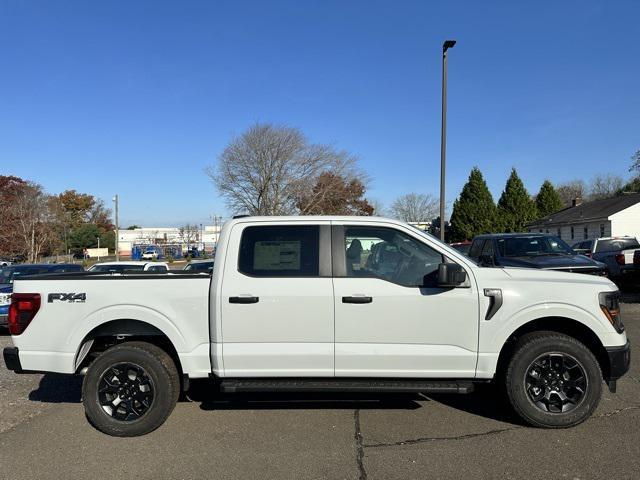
(141, 404)
(540, 396)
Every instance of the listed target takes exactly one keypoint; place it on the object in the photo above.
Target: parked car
(150, 253)
(9, 273)
(5, 262)
(616, 252)
(324, 304)
(199, 266)
(192, 252)
(462, 247)
(531, 250)
(129, 266)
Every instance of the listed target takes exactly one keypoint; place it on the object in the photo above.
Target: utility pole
(115, 199)
(443, 137)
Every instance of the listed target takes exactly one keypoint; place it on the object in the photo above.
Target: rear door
(277, 301)
(391, 318)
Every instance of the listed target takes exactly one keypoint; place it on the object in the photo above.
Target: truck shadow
(485, 402)
(58, 388)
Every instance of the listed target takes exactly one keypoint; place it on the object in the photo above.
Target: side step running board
(345, 385)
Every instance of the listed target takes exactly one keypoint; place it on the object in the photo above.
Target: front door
(391, 318)
(277, 301)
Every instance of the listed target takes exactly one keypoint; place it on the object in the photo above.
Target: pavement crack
(617, 411)
(497, 431)
(441, 439)
(362, 473)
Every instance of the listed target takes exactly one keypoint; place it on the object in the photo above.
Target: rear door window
(280, 251)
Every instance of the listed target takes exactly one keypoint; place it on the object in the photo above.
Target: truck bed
(175, 303)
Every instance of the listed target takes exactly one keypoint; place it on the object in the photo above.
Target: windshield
(116, 268)
(532, 246)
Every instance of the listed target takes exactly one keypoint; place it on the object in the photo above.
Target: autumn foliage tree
(35, 224)
(335, 195)
(27, 226)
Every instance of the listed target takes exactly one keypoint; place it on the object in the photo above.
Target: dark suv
(531, 250)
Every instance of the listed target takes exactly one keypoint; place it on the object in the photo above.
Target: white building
(202, 238)
(611, 217)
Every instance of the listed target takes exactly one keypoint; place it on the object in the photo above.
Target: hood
(539, 275)
(551, 262)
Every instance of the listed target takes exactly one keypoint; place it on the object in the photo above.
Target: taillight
(620, 259)
(23, 308)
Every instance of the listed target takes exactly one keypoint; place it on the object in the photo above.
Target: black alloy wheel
(556, 382)
(125, 391)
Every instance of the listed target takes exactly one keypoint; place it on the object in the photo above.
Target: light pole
(443, 137)
(115, 199)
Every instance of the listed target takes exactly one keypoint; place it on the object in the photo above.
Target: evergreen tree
(548, 200)
(515, 207)
(473, 211)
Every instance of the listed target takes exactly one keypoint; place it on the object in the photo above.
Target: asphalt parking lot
(43, 434)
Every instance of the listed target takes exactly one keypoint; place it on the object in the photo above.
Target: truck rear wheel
(553, 380)
(130, 389)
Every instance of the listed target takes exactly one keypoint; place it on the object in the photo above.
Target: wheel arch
(564, 325)
(118, 331)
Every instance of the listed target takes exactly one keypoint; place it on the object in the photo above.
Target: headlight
(610, 305)
(5, 298)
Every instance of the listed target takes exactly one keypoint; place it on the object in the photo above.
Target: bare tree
(415, 207)
(604, 186)
(635, 166)
(268, 170)
(188, 235)
(378, 207)
(570, 191)
(35, 227)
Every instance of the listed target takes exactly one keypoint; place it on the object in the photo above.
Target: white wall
(626, 222)
(593, 231)
(128, 238)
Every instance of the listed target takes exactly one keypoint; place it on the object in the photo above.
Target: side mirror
(451, 275)
(486, 261)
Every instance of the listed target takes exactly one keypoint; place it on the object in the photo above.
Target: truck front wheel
(130, 389)
(553, 380)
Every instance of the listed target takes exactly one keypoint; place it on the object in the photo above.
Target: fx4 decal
(67, 297)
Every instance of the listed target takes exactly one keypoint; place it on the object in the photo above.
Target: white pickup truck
(323, 303)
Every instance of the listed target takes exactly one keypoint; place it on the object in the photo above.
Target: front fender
(543, 310)
(495, 332)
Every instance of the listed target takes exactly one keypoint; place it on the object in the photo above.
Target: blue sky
(137, 98)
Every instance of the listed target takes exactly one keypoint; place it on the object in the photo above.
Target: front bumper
(619, 360)
(12, 359)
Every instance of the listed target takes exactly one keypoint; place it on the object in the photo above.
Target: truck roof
(312, 218)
